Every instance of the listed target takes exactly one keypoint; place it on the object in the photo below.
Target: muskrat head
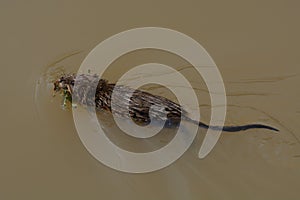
(64, 84)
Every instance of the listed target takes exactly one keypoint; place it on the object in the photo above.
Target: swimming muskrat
(139, 103)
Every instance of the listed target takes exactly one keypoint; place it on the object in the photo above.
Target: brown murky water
(255, 46)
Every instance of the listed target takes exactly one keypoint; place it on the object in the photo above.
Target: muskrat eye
(61, 79)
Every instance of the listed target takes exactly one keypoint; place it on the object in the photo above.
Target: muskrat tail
(236, 128)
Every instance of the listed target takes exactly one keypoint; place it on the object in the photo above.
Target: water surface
(255, 46)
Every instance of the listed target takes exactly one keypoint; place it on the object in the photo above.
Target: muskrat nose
(56, 86)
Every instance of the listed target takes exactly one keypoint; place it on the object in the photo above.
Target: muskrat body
(138, 106)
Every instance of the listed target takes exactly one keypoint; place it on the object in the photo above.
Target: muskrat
(139, 103)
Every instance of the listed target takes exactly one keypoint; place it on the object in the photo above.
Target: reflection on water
(134, 144)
